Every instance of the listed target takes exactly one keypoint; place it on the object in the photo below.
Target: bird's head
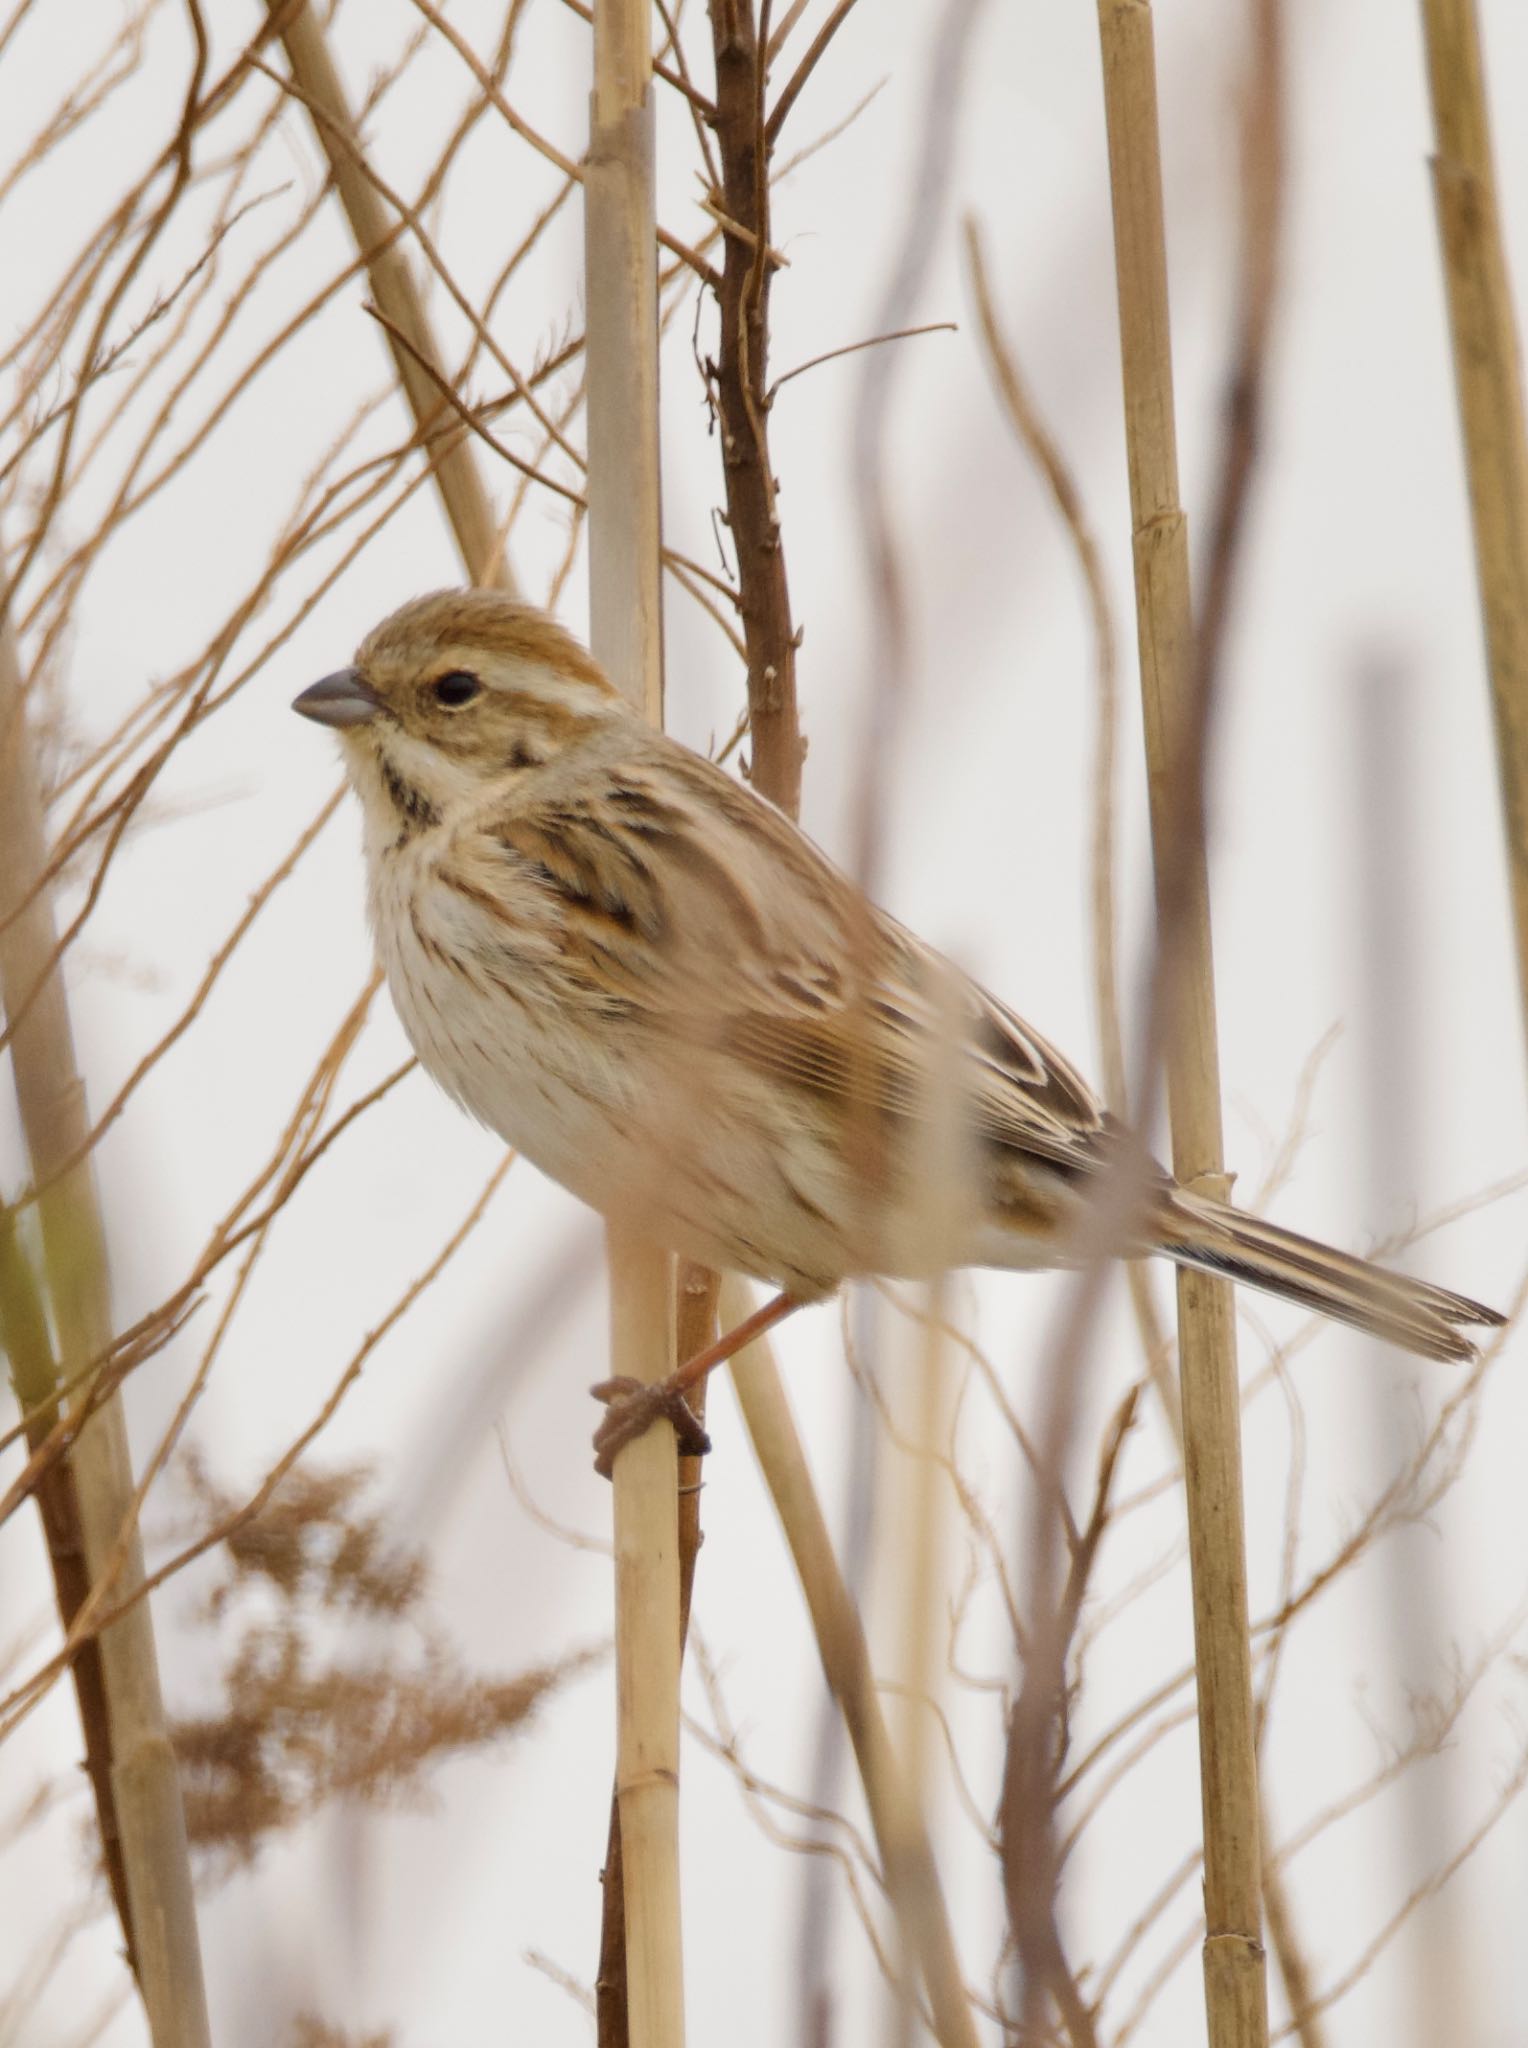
(453, 691)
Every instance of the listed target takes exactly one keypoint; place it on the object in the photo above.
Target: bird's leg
(633, 1406)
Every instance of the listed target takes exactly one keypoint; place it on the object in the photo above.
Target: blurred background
(240, 502)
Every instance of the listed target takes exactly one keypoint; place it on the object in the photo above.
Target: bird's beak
(339, 700)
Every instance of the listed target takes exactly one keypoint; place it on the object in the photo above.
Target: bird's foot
(631, 1409)
(633, 1406)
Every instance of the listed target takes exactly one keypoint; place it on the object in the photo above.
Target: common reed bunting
(651, 984)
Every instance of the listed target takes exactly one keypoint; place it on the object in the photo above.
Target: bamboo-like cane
(1488, 379)
(922, 1560)
(145, 1785)
(626, 637)
(907, 1856)
(457, 476)
(1294, 1966)
(1234, 1964)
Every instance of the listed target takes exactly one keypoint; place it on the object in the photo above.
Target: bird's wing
(707, 908)
(884, 1035)
(832, 995)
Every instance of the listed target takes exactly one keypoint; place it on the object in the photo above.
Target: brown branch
(87, 1389)
(610, 1989)
(422, 350)
(695, 1293)
(99, 1376)
(675, 74)
(1505, 1796)
(179, 154)
(681, 567)
(117, 815)
(739, 383)
(392, 280)
(149, 1818)
(378, 255)
(92, 1621)
(780, 112)
(115, 356)
(220, 959)
(1037, 1728)
(451, 401)
(538, 142)
(907, 1857)
(1048, 459)
(34, 1376)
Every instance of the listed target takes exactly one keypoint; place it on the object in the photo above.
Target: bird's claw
(632, 1407)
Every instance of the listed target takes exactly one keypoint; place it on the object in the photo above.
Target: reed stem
(1236, 1996)
(621, 289)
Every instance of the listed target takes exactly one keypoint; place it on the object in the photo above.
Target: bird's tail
(1196, 1231)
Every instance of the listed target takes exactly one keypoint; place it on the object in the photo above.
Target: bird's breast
(475, 977)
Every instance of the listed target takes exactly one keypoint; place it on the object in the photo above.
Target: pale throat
(406, 786)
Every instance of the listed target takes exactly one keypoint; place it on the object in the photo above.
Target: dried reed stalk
(144, 1808)
(28, 1347)
(640, 1996)
(1294, 1966)
(1488, 379)
(907, 1856)
(410, 335)
(647, 1649)
(626, 635)
(1234, 1963)
(1036, 439)
(923, 1555)
(695, 1298)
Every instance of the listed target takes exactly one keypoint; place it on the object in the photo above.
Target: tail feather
(1196, 1231)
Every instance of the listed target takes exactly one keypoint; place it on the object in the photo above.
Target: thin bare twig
(851, 348)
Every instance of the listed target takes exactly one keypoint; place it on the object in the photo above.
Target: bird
(654, 986)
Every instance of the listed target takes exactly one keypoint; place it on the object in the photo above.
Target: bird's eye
(456, 689)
